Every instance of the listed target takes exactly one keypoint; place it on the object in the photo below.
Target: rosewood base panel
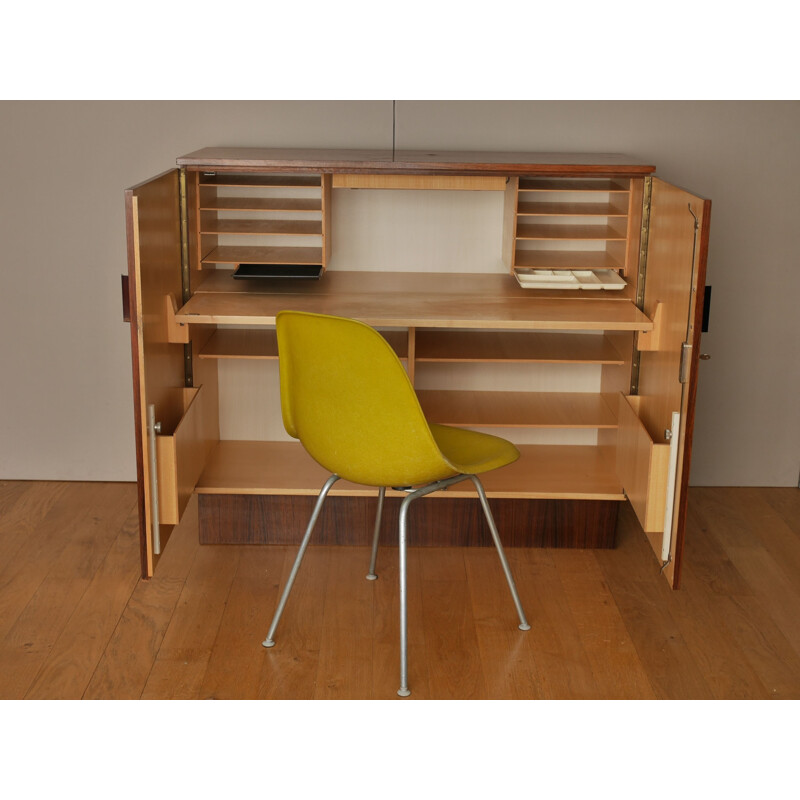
(436, 522)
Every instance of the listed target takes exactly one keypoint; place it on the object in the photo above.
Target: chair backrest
(346, 396)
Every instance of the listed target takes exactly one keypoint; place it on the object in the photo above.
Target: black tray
(305, 271)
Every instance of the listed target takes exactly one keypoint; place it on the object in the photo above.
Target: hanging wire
(394, 123)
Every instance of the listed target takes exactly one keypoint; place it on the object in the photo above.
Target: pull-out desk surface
(412, 299)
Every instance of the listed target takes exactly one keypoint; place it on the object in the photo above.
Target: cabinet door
(154, 272)
(677, 245)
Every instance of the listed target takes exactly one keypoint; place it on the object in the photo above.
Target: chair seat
(472, 452)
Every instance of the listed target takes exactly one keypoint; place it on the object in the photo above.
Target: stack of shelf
(262, 219)
(571, 224)
(544, 470)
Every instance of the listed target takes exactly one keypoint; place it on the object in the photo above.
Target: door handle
(153, 428)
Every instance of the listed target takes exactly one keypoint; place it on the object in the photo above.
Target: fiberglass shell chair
(347, 398)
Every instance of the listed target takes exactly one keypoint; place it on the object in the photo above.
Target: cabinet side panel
(154, 252)
(675, 276)
(690, 397)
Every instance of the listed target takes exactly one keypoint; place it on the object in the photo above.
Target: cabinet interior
(553, 385)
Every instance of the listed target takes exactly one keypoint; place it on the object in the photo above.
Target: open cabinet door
(677, 246)
(154, 272)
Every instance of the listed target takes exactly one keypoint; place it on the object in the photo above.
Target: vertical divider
(635, 201)
(510, 222)
(327, 195)
(412, 354)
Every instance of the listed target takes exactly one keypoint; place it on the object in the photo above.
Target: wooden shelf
(263, 344)
(261, 181)
(572, 185)
(270, 227)
(555, 209)
(474, 346)
(566, 259)
(284, 468)
(264, 255)
(299, 204)
(241, 343)
(518, 409)
(577, 232)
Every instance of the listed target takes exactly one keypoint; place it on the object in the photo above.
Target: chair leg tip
(523, 626)
(268, 643)
(404, 692)
(372, 577)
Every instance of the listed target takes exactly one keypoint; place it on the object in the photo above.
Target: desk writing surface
(408, 299)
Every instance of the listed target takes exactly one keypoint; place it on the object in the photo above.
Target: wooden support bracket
(651, 340)
(177, 333)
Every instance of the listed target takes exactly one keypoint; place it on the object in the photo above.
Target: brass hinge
(644, 235)
(643, 241)
(188, 366)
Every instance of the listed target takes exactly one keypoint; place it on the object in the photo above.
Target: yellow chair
(347, 398)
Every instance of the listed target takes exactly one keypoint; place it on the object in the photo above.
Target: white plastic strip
(151, 449)
(666, 542)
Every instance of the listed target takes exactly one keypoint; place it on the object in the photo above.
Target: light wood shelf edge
(284, 468)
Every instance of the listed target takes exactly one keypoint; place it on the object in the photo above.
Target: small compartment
(181, 455)
(569, 279)
(642, 467)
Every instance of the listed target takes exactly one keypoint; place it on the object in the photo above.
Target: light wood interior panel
(181, 455)
(671, 282)
(475, 346)
(263, 344)
(418, 182)
(517, 409)
(642, 467)
(384, 230)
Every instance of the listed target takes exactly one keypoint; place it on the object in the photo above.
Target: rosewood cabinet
(553, 299)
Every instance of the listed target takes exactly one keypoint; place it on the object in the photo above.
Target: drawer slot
(181, 455)
(642, 467)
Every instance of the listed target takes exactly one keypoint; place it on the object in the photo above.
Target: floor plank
(451, 647)
(74, 657)
(611, 652)
(507, 655)
(183, 657)
(291, 666)
(55, 585)
(124, 669)
(237, 658)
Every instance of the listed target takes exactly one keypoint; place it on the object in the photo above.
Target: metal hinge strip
(644, 236)
(686, 362)
(186, 290)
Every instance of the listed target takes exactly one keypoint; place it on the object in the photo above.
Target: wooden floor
(77, 622)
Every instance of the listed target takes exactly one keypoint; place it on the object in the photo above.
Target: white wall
(65, 382)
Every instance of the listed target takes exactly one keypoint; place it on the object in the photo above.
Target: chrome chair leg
(269, 641)
(523, 623)
(371, 576)
(404, 691)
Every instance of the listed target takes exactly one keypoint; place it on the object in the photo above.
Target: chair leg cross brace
(403, 691)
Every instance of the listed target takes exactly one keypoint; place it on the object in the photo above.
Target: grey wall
(65, 380)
